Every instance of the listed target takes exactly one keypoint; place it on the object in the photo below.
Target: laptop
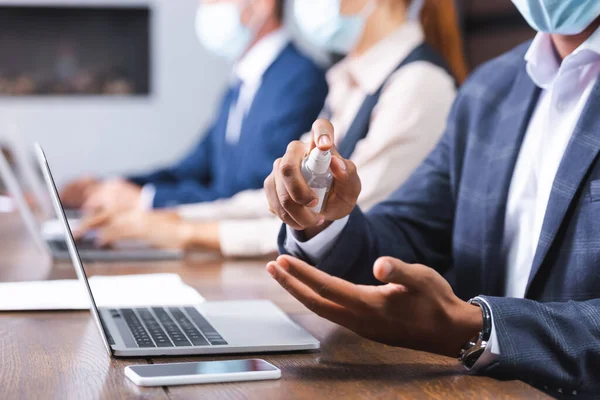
(48, 237)
(208, 328)
(26, 166)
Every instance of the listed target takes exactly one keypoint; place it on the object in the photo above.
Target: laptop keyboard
(61, 245)
(72, 213)
(169, 327)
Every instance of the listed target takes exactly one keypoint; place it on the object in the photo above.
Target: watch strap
(476, 347)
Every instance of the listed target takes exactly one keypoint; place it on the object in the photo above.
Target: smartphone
(201, 372)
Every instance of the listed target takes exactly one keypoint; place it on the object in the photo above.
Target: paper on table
(109, 291)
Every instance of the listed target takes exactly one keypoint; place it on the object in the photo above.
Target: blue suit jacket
(288, 101)
(450, 215)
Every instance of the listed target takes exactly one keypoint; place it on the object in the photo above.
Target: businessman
(489, 252)
(274, 97)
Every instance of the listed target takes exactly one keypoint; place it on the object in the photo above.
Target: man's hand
(114, 195)
(291, 199)
(416, 309)
(159, 229)
(76, 193)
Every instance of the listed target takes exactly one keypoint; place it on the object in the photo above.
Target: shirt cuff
(249, 238)
(317, 247)
(492, 350)
(147, 197)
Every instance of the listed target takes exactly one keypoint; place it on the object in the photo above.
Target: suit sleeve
(414, 224)
(195, 166)
(551, 345)
(188, 179)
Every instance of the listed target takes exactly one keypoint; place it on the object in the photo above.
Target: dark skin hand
(416, 308)
(291, 199)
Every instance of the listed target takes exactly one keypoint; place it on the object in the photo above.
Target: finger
(270, 193)
(92, 222)
(273, 199)
(112, 233)
(322, 135)
(317, 304)
(291, 174)
(415, 277)
(341, 168)
(68, 191)
(354, 297)
(347, 185)
(302, 216)
(93, 203)
(89, 189)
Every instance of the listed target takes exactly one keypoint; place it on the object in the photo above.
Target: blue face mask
(322, 24)
(563, 17)
(220, 30)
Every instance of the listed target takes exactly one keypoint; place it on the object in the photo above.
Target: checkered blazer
(450, 216)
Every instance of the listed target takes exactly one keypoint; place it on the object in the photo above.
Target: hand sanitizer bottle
(316, 172)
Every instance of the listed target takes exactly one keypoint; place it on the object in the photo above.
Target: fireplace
(65, 50)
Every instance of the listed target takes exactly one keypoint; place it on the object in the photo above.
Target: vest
(360, 126)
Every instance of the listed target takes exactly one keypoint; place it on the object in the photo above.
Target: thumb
(392, 270)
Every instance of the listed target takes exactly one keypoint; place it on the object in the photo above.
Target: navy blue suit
(290, 97)
(450, 216)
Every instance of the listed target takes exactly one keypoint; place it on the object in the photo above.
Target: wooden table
(59, 355)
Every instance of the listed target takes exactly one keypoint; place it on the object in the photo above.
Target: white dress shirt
(248, 71)
(405, 125)
(565, 91)
(566, 88)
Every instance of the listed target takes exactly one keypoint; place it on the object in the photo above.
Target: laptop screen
(16, 193)
(70, 241)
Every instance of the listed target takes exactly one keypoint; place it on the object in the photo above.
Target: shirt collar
(251, 67)
(544, 65)
(370, 69)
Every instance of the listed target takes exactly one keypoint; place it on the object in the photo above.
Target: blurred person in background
(275, 94)
(388, 99)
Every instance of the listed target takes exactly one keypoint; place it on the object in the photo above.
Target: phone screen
(202, 368)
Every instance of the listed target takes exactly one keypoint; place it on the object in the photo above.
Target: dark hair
(279, 9)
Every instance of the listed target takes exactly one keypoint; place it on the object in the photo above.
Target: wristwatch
(476, 346)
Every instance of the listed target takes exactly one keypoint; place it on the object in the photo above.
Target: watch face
(471, 356)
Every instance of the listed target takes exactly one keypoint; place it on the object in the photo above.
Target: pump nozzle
(318, 161)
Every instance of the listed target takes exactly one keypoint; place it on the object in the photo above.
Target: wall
(492, 28)
(111, 136)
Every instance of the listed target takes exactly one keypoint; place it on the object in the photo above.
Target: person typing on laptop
(274, 96)
(488, 253)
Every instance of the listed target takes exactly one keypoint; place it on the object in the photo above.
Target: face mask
(220, 30)
(563, 17)
(321, 22)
